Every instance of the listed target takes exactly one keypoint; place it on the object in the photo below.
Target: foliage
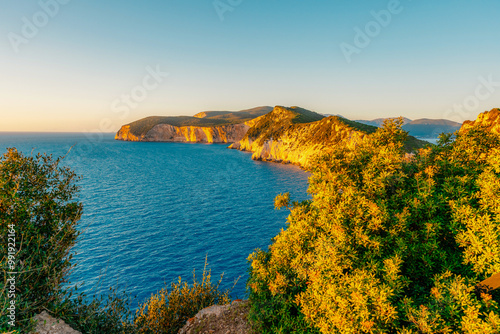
(282, 200)
(108, 314)
(36, 202)
(358, 126)
(391, 242)
(305, 116)
(168, 310)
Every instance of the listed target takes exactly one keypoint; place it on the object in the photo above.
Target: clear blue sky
(72, 73)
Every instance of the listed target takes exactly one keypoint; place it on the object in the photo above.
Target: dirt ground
(227, 319)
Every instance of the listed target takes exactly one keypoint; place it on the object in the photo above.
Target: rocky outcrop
(47, 324)
(490, 120)
(187, 134)
(125, 134)
(280, 136)
(220, 319)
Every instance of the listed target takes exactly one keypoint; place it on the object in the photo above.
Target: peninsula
(204, 127)
(280, 134)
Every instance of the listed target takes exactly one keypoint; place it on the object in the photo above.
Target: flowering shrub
(390, 243)
(168, 310)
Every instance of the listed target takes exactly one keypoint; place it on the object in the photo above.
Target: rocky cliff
(295, 135)
(204, 127)
(490, 120)
(188, 134)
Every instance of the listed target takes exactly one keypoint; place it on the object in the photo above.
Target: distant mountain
(337, 115)
(431, 128)
(422, 128)
(378, 121)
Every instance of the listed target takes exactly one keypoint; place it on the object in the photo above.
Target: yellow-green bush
(390, 243)
(169, 309)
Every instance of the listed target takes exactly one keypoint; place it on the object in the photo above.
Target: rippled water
(153, 211)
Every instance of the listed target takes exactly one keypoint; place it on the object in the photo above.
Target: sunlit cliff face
(187, 134)
(295, 143)
(489, 119)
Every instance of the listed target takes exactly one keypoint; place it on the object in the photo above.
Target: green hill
(284, 120)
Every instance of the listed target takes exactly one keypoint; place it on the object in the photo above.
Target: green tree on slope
(37, 201)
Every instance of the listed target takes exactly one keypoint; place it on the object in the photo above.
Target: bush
(37, 204)
(390, 243)
(168, 310)
(108, 314)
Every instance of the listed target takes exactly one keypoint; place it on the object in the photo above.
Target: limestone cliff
(188, 134)
(490, 120)
(295, 135)
(204, 127)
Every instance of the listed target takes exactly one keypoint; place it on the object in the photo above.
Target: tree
(39, 210)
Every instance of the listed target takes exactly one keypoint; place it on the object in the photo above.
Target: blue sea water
(154, 211)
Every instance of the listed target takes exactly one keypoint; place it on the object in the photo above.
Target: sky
(92, 66)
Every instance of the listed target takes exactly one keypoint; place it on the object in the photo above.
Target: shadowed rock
(46, 324)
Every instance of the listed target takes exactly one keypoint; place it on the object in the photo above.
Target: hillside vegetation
(389, 243)
(280, 121)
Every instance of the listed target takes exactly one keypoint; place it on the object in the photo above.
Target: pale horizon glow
(427, 60)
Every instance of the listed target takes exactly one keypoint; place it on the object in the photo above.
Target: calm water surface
(153, 211)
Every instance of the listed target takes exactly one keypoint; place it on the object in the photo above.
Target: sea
(154, 212)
